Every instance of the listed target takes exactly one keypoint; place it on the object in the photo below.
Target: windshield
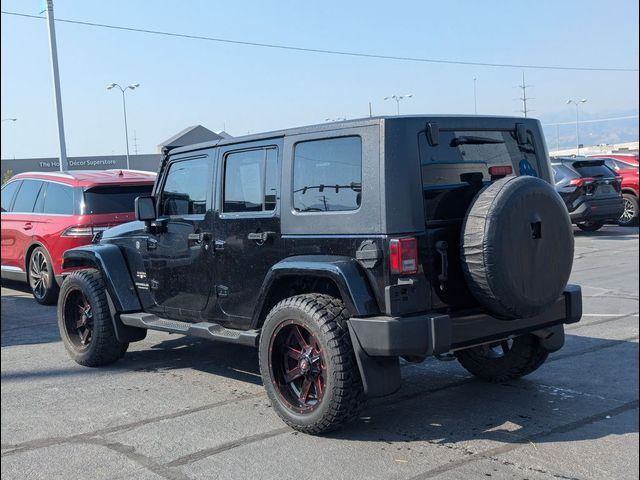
(113, 199)
(463, 152)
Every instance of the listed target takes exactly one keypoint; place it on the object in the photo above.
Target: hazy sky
(250, 89)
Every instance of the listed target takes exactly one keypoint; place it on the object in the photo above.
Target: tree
(6, 176)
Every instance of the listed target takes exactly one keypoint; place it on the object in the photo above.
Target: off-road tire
(631, 202)
(51, 289)
(590, 226)
(104, 347)
(525, 356)
(325, 317)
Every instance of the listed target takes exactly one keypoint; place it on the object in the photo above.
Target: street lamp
(133, 86)
(577, 104)
(397, 98)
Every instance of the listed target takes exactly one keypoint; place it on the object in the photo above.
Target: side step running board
(212, 331)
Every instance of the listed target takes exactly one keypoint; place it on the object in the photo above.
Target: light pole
(577, 104)
(475, 98)
(133, 86)
(397, 98)
(10, 120)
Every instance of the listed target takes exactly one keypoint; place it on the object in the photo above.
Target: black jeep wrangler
(336, 250)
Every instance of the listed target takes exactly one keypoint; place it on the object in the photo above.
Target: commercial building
(148, 162)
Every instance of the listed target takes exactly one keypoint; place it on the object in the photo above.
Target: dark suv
(338, 249)
(591, 191)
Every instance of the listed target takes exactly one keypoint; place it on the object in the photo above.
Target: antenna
(525, 110)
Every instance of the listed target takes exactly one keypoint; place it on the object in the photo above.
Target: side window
(327, 175)
(26, 197)
(8, 191)
(58, 199)
(251, 181)
(185, 188)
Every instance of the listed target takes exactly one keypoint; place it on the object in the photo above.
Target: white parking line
(609, 314)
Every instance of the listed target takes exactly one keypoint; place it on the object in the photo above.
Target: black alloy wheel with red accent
(85, 321)
(297, 365)
(308, 365)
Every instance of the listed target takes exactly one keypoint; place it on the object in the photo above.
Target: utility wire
(628, 117)
(324, 51)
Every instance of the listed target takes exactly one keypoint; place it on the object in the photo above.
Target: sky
(244, 89)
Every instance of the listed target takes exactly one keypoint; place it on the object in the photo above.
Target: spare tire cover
(517, 247)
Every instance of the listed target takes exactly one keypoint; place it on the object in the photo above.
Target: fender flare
(345, 272)
(121, 292)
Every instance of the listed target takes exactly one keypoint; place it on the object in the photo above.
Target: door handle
(28, 226)
(260, 237)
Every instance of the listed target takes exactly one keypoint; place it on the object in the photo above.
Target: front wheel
(506, 360)
(590, 226)
(85, 321)
(308, 365)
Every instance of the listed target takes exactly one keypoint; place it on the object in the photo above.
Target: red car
(627, 167)
(45, 214)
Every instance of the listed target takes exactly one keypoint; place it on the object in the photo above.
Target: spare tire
(517, 247)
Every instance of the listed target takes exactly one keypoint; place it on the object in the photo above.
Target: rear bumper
(596, 210)
(432, 334)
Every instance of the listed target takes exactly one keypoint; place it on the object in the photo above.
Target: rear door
(601, 183)
(248, 240)
(455, 167)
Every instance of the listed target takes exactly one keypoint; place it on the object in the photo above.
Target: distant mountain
(591, 133)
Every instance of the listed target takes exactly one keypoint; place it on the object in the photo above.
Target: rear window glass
(461, 152)
(58, 199)
(112, 199)
(327, 175)
(595, 171)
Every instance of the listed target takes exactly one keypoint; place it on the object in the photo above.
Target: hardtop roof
(332, 126)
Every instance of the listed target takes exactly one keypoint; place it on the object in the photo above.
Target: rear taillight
(581, 182)
(500, 170)
(404, 256)
(83, 231)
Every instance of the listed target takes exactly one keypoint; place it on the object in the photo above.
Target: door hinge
(222, 291)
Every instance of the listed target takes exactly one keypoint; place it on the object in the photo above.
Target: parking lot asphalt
(183, 408)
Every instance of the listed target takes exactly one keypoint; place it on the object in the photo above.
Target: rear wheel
(308, 365)
(629, 215)
(505, 360)
(85, 321)
(590, 226)
(41, 277)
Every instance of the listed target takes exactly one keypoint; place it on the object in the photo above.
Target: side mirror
(145, 208)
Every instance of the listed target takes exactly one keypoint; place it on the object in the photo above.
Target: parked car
(336, 249)
(630, 187)
(46, 213)
(590, 190)
(623, 160)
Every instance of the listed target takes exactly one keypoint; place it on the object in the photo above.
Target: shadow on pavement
(610, 233)
(437, 404)
(24, 321)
